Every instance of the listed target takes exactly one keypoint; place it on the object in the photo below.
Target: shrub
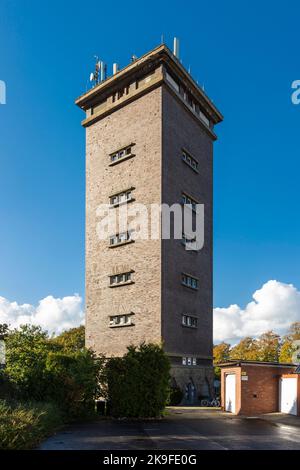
(175, 397)
(6, 388)
(25, 425)
(74, 381)
(138, 383)
(26, 353)
(40, 369)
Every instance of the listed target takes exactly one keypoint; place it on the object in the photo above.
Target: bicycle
(210, 402)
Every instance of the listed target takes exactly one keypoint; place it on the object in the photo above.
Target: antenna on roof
(115, 68)
(133, 58)
(162, 39)
(99, 75)
(94, 76)
(103, 69)
(176, 48)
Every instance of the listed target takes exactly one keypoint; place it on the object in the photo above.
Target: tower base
(195, 382)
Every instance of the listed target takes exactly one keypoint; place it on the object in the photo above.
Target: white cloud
(52, 314)
(275, 306)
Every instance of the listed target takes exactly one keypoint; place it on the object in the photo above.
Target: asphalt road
(182, 429)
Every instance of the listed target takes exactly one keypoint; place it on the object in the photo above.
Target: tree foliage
(26, 353)
(3, 330)
(288, 347)
(45, 370)
(138, 382)
(247, 349)
(71, 340)
(221, 353)
(268, 347)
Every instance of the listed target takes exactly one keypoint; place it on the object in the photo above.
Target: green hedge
(42, 370)
(138, 383)
(25, 425)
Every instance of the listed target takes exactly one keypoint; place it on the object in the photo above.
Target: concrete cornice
(160, 54)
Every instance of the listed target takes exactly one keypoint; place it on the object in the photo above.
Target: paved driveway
(182, 429)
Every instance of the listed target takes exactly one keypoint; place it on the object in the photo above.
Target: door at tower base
(195, 383)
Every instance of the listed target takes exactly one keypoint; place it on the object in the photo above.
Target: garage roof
(239, 363)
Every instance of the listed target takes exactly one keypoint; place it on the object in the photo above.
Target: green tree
(137, 384)
(72, 340)
(247, 349)
(286, 351)
(3, 330)
(221, 353)
(287, 347)
(26, 353)
(269, 347)
(45, 370)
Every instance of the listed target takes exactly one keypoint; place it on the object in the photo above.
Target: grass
(25, 425)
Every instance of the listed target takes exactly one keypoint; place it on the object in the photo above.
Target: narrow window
(188, 201)
(189, 321)
(121, 198)
(121, 154)
(189, 281)
(121, 320)
(189, 160)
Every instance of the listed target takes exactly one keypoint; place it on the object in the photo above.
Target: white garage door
(230, 393)
(288, 395)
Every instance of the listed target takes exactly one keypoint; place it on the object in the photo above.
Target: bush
(74, 381)
(25, 425)
(138, 383)
(176, 395)
(6, 388)
(26, 353)
(40, 369)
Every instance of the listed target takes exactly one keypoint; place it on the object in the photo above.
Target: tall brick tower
(149, 139)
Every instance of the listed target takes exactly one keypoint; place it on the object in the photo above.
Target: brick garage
(252, 388)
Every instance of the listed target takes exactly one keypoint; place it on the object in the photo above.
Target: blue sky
(246, 55)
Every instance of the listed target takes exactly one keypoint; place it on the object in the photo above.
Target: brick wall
(259, 393)
(182, 131)
(138, 122)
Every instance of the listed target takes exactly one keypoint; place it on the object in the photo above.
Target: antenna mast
(99, 75)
